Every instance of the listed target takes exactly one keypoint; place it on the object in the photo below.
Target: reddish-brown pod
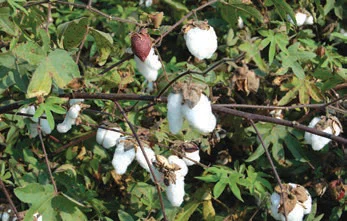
(141, 44)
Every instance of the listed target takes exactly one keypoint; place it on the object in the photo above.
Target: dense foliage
(265, 56)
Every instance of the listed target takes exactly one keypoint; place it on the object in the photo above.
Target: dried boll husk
(201, 39)
(191, 92)
(156, 19)
(245, 80)
(141, 44)
(187, 149)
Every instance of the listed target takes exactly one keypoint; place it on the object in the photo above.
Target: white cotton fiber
(46, 129)
(297, 214)
(149, 68)
(201, 43)
(173, 159)
(100, 134)
(175, 192)
(140, 158)
(194, 156)
(75, 101)
(200, 116)
(174, 113)
(107, 138)
(122, 159)
(74, 111)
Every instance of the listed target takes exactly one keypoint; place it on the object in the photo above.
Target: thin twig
(75, 142)
(116, 64)
(271, 163)
(8, 197)
(82, 44)
(210, 68)
(47, 161)
(146, 158)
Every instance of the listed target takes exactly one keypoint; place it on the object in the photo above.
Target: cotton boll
(194, 156)
(140, 158)
(175, 192)
(149, 68)
(63, 128)
(100, 134)
(308, 136)
(300, 18)
(200, 116)
(75, 101)
(74, 111)
(5, 216)
(201, 43)
(33, 130)
(46, 129)
(318, 142)
(240, 23)
(122, 159)
(297, 214)
(184, 169)
(107, 138)
(309, 20)
(174, 113)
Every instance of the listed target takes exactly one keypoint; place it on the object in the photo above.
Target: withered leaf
(245, 80)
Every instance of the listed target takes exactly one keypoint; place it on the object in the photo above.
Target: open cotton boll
(318, 142)
(309, 20)
(308, 136)
(194, 156)
(107, 138)
(33, 130)
(149, 68)
(307, 205)
(201, 43)
(240, 23)
(122, 159)
(297, 214)
(140, 158)
(75, 101)
(175, 192)
(46, 129)
(184, 169)
(174, 113)
(74, 111)
(66, 125)
(200, 116)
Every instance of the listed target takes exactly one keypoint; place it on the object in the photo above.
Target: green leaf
(177, 5)
(124, 216)
(72, 33)
(104, 43)
(30, 52)
(283, 9)
(6, 24)
(233, 180)
(58, 66)
(279, 40)
(188, 210)
(219, 187)
(253, 52)
(232, 10)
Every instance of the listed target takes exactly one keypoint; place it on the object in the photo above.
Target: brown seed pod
(141, 44)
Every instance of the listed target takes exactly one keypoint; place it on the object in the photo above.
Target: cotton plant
(330, 125)
(296, 204)
(34, 122)
(200, 38)
(71, 116)
(188, 102)
(147, 62)
(108, 138)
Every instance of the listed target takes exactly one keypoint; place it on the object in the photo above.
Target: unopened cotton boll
(194, 156)
(201, 43)
(200, 116)
(122, 158)
(175, 192)
(140, 158)
(107, 138)
(174, 113)
(149, 68)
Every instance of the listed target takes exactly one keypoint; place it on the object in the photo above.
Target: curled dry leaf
(245, 80)
(191, 92)
(156, 18)
(141, 44)
(330, 121)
